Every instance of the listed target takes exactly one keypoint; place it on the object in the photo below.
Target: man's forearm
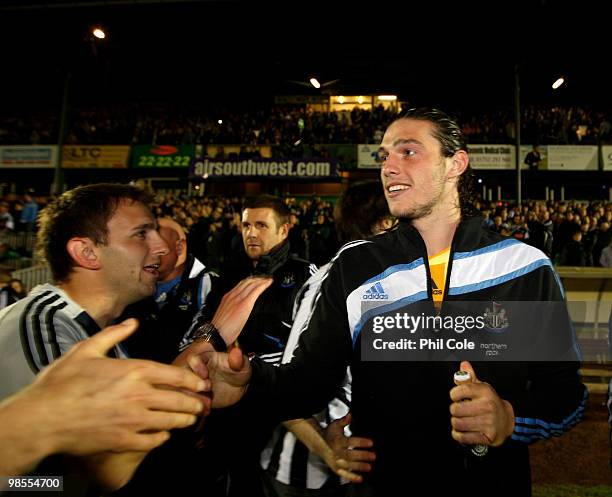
(112, 470)
(24, 440)
(309, 433)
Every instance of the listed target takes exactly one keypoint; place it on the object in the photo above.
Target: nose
(389, 165)
(159, 245)
(251, 232)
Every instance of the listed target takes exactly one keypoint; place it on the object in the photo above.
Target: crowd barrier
(589, 295)
(32, 276)
(22, 241)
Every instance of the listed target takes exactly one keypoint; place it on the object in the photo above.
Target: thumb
(235, 359)
(105, 340)
(466, 366)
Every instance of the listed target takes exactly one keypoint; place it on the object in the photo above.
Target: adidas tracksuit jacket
(404, 406)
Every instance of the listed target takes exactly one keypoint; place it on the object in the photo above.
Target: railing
(33, 276)
(23, 240)
(589, 296)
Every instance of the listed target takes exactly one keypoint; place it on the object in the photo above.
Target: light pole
(58, 175)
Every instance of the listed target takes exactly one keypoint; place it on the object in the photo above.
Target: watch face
(203, 332)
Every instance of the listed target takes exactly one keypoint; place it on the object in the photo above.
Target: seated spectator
(6, 218)
(573, 253)
(8, 295)
(17, 286)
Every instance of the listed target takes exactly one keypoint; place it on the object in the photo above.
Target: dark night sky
(209, 52)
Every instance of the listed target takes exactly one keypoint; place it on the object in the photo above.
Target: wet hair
(358, 209)
(281, 210)
(448, 132)
(84, 211)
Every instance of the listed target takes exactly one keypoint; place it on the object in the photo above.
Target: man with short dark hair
(265, 231)
(102, 245)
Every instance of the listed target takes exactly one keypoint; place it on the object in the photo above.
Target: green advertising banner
(162, 155)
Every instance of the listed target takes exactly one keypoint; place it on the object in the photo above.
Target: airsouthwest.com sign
(264, 168)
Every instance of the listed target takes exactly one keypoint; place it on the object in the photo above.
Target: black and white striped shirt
(37, 330)
(285, 457)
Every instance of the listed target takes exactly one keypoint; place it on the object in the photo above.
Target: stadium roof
(216, 51)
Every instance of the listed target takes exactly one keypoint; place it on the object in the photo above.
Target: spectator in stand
(8, 295)
(298, 237)
(573, 253)
(519, 229)
(487, 222)
(545, 228)
(17, 286)
(566, 231)
(589, 239)
(533, 158)
(498, 224)
(29, 214)
(6, 218)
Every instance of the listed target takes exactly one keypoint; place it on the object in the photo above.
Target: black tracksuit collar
(467, 236)
(269, 263)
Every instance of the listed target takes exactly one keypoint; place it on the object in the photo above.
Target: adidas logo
(376, 293)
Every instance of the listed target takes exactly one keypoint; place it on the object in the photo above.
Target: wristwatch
(209, 333)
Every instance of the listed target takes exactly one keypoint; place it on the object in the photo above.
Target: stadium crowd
(571, 233)
(165, 124)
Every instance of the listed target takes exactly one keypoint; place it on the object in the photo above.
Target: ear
(459, 163)
(83, 253)
(180, 246)
(284, 230)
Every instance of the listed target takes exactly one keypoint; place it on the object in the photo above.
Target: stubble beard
(426, 208)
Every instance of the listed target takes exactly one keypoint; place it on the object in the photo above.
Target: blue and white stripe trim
(488, 249)
(528, 430)
(494, 265)
(308, 301)
(398, 304)
(401, 285)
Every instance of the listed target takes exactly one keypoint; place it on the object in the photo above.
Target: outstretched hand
(103, 404)
(478, 414)
(347, 457)
(236, 306)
